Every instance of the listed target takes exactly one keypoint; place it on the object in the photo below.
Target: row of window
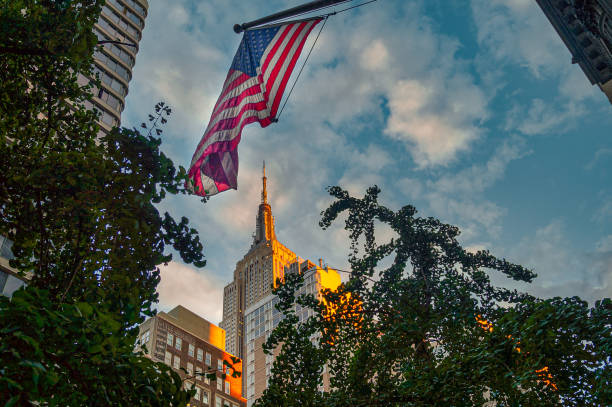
(119, 52)
(177, 342)
(110, 100)
(198, 374)
(113, 16)
(136, 6)
(204, 397)
(113, 65)
(111, 82)
(128, 13)
(114, 31)
(105, 117)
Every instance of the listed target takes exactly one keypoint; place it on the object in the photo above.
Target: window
(170, 339)
(208, 359)
(219, 384)
(168, 358)
(206, 379)
(189, 369)
(219, 365)
(177, 362)
(200, 354)
(190, 350)
(217, 402)
(198, 373)
(204, 397)
(227, 387)
(227, 370)
(110, 100)
(145, 337)
(178, 343)
(197, 395)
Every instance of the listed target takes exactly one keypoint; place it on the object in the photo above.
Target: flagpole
(304, 8)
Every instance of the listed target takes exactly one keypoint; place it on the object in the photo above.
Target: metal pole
(304, 8)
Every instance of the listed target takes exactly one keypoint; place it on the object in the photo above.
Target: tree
(79, 205)
(430, 329)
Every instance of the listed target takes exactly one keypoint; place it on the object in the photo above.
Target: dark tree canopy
(419, 323)
(80, 206)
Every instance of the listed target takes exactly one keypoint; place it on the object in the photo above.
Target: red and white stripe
(244, 100)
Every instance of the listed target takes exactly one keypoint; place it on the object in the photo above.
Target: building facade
(585, 26)
(182, 339)
(121, 21)
(254, 275)
(249, 314)
(262, 317)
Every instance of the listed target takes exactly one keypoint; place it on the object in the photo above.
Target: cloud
(436, 120)
(542, 117)
(434, 105)
(518, 32)
(459, 198)
(599, 155)
(385, 98)
(563, 269)
(199, 292)
(375, 56)
(604, 212)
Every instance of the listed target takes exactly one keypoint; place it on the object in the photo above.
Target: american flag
(251, 93)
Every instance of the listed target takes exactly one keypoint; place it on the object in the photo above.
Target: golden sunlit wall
(235, 382)
(328, 278)
(216, 336)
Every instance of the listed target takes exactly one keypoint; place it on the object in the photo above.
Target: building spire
(264, 230)
(264, 192)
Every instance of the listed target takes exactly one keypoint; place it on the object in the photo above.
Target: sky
(470, 110)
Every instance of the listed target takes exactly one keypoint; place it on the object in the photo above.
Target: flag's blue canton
(251, 49)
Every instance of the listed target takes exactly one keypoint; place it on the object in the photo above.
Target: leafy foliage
(419, 323)
(79, 204)
(71, 356)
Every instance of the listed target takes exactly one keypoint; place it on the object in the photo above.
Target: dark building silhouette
(585, 26)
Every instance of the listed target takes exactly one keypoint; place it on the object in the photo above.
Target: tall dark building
(585, 26)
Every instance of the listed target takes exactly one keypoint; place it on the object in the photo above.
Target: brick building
(182, 339)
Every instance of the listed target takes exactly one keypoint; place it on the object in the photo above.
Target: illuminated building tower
(254, 274)
(248, 303)
(262, 317)
(585, 26)
(182, 339)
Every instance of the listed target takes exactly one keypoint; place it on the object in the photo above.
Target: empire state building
(254, 275)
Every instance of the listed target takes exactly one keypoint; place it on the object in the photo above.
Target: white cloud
(542, 117)
(376, 56)
(517, 31)
(437, 120)
(563, 269)
(199, 292)
(459, 198)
